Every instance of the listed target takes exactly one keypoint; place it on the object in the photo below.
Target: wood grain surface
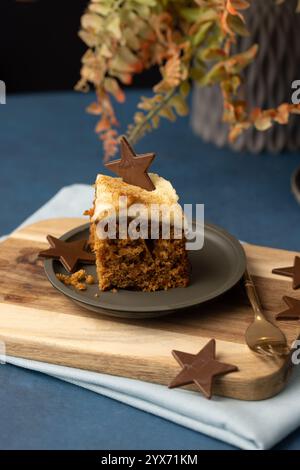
(39, 323)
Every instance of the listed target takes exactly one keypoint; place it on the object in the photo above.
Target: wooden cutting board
(39, 323)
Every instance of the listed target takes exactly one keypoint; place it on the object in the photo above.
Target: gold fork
(261, 335)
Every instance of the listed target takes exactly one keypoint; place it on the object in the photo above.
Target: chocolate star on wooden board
(131, 167)
(69, 253)
(200, 368)
(293, 312)
(291, 271)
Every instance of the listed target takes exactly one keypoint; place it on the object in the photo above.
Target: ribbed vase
(267, 80)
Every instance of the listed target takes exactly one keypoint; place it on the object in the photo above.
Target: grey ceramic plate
(215, 269)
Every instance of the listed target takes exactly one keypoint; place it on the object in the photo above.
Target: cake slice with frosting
(156, 258)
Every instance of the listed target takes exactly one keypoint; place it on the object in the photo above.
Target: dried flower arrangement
(190, 40)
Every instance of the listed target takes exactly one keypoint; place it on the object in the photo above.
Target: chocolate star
(293, 312)
(69, 253)
(291, 271)
(200, 368)
(133, 168)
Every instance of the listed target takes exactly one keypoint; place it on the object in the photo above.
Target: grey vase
(267, 81)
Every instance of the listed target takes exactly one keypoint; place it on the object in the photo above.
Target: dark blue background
(46, 142)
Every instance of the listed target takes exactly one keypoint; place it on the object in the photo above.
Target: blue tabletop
(46, 142)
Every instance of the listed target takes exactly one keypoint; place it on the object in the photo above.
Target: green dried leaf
(212, 53)
(127, 55)
(215, 74)
(201, 34)
(92, 23)
(185, 88)
(167, 113)
(150, 3)
(90, 39)
(143, 11)
(101, 9)
(231, 85)
(113, 26)
(138, 118)
(197, 14)
(131, 39)
(105, 52)
(197, 74)
(190, 14)
(146, 104)
(236, 63)
(180, 105)
(237, 25)
(125, 61)
(155, 121)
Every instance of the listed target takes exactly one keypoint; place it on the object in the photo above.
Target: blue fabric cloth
(248, 425)
(47, 142)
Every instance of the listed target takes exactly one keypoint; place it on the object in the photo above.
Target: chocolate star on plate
(291, 271)
(200, 368)
(293, 312)
(133, 168)
(69, 253)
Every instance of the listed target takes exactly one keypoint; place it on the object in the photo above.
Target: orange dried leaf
(239, 4)
(102, 125)
(282, 113)
(237, 130)
(111, 85)
(94, 108)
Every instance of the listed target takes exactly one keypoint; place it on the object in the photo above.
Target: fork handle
(252, 294)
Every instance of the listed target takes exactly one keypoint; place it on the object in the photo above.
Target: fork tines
(270, 350)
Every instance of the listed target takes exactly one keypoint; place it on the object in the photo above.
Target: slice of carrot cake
(137, 228)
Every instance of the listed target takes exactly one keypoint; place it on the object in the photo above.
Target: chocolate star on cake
(133, 168)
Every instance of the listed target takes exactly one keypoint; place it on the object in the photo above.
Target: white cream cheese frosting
(108, 191)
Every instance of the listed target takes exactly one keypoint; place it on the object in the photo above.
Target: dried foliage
(190, 40)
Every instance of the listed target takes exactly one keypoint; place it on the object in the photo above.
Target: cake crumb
(78, 280)
(90, 279)
(78, 276)
(114, 291)
(89, 212)
(80, 286)
(96, 295)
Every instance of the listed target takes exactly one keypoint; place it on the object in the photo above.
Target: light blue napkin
(248, 425)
